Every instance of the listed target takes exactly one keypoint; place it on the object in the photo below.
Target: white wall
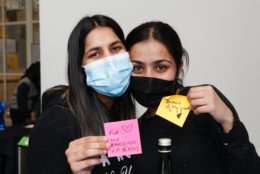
(222, 38)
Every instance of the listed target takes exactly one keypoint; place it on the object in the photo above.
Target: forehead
(100, 36)
(150, 51)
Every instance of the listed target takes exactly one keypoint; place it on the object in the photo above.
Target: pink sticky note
(123, 137)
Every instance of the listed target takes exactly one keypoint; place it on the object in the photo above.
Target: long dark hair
(165, 34)
(89, 111)
(33, 73)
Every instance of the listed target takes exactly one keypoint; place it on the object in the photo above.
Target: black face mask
(149, 91)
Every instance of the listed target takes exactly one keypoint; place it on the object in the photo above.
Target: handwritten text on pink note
(124, 138)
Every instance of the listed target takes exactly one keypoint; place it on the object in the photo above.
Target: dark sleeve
(239, 154)
(22, 98)
(49, 141)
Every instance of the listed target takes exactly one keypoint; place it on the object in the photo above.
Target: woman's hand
(84, 153)
(204, 99)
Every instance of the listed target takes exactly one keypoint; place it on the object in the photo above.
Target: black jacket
(199, 147)
(51, 136)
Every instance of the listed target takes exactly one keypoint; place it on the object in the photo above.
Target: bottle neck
(164, 149)
(165, 161)
(165, 152)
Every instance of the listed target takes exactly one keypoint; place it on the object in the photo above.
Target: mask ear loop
(177, 86)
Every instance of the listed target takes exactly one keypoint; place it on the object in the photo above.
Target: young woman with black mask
(213, 139)
(69, 137)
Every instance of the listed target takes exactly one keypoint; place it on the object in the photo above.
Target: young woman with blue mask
(213, 139)
(69, 136)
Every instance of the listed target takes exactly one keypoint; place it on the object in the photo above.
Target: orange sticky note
(174, 108)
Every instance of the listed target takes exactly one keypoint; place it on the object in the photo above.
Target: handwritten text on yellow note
(174, 108)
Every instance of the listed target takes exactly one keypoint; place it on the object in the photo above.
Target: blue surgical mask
(110, 76)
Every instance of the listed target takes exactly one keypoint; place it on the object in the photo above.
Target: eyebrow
(136, 61)
(116, 42)
(161, 61)
(155, 62)
(97, 48)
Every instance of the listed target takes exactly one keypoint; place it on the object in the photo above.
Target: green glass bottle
(165, 161)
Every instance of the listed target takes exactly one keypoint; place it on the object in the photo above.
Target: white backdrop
(222, 38)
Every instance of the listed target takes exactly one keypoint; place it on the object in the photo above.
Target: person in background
(25, 100)
(69, 136)
(213, 139)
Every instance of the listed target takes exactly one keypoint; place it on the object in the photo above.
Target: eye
(94, 55)
(116, 49)
(161, 68)
(138, 69)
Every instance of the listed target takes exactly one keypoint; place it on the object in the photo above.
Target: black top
(24, 100)
(199, 147)
(51, 136)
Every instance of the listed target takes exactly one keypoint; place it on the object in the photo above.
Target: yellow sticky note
(174, 108)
